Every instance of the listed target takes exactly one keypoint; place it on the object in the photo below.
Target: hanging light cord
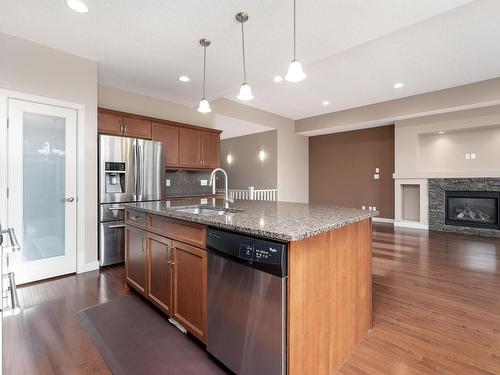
(204, 68)
(294, 33)
(243, 44)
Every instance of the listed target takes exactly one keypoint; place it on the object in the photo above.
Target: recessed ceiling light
(184, 78)
(278, 79)
(325, 103)
(77, 5)
(440, 132)
(398, 85)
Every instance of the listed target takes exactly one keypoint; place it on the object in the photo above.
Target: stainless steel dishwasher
(246, 311)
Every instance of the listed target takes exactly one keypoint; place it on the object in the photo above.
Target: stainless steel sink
(202, 211)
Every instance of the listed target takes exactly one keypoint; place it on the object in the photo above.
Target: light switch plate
(473, 155)
(363, 207)
(204, 182)
(376, 176)
(377, 170)
(168, 182)
(467, 156)
(370, 208)
(374, 208)
(203, 201)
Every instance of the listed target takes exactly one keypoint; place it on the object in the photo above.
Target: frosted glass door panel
(43, 186)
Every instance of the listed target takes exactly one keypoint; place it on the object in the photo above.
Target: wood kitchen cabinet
(136, 258)
(160, 263)
(170, 136)
(199, 149)
(190, 288)
(117, 123)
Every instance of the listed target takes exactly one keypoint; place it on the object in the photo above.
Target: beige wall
(35, 69)
(422, 152)
(480, 94)
(292, 149)
(246, 168)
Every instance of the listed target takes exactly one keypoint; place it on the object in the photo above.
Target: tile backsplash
(187, 183)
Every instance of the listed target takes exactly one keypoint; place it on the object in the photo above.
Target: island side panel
(329, 298)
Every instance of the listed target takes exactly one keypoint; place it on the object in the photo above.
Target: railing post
(251, 192)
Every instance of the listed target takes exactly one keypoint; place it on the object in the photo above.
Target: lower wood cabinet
(160, 263)
(190, 288)
(170, 273)
(136, 258)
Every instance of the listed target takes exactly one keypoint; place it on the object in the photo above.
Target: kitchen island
(328, 275)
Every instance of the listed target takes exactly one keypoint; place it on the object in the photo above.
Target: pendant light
(295, 71)
(204, 106)
(245, 89)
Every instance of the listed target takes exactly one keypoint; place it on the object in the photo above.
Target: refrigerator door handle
(140, 171)
(134, 157)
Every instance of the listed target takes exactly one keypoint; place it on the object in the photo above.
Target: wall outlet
(467, 156)
(204, 182)
(370, 208)
(203, 201)
(363, 207)
(374, 208)
(473, 155)
(167, 182)
(377, 170)
(376, 176)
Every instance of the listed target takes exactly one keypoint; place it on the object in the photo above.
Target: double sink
(205, 211)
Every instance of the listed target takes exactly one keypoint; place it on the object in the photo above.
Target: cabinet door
(110, 124)
(170, 136)
(136, 127)
(190, 148)
(190, 288)
(160, 263)
(136, 258)
(210, 145)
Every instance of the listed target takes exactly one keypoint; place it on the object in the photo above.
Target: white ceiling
(354, 50)
(232, 127)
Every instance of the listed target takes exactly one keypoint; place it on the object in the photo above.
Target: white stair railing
(252, 194)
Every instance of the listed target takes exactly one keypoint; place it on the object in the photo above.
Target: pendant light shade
(245, 89)
(245, 92)
(295, 71)
(204, 106)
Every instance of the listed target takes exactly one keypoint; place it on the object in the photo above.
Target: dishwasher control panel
(270, 256)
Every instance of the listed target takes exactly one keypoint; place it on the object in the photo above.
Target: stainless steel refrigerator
(130, 170)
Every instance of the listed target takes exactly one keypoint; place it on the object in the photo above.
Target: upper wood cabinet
(187, 146)
(136, 128)
(210, 149)
(199, 149)
(170, 136)
(190, 148)
(110, 124)
(128, 126)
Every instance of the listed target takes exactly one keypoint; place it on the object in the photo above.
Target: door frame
(5, 95)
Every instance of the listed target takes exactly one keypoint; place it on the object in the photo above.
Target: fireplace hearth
(476, 209)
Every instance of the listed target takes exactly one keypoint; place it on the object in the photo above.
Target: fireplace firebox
(478, 209)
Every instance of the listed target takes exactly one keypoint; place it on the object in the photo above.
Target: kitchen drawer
(135, 218)
(193, 234)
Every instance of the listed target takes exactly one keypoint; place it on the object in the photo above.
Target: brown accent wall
(342, 165)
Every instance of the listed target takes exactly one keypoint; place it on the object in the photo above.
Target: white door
(42, 199)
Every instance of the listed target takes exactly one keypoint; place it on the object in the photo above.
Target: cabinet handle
(125, 126)
(121, 126)
(136, 217)
(143, 238)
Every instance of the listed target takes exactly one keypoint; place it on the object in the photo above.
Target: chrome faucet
(227, 200)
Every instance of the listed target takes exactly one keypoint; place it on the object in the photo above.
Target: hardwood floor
(436, 305)
(436, 311)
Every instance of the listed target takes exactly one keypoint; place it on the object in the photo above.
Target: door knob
(70, 199)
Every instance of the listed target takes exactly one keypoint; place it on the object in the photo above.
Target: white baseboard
(411, 224)
(382, 220)
(90, 266)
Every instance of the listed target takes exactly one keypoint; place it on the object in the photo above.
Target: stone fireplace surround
(437, 188)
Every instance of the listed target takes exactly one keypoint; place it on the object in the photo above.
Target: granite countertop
(283, 221)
